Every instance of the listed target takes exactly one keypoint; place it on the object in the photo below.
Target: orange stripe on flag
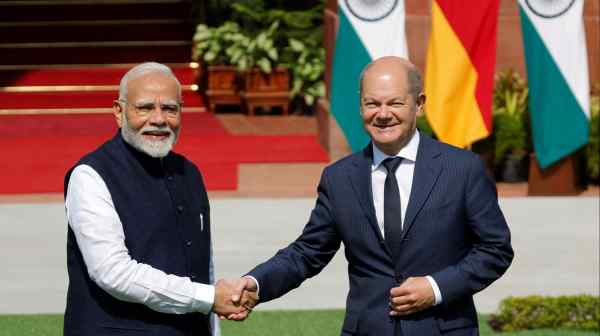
(450, 85)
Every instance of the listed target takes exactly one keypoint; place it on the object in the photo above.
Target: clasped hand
(413, 295)
(235, 299)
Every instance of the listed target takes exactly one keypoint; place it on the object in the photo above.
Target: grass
(38, 325)
(263, 323)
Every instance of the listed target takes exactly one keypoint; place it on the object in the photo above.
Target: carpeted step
(83, 75)
(74, 99)
(15, 126)
(42, 148)
(61, 10)
(40, 163)
(89, 31)
(95, 52)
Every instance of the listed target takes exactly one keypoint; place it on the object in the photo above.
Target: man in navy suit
(419, 220)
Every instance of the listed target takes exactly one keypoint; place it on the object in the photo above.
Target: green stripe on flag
(348, 61)
(558, 122)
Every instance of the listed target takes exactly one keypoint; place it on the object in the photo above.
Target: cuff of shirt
(256, 282)
(204, 298)
(436, 290)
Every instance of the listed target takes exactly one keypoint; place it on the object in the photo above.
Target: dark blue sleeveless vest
(160, 203)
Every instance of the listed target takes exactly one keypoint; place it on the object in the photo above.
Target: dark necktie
(392, 213)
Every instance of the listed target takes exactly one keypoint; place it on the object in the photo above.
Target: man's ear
(118, 112)
(421, 104)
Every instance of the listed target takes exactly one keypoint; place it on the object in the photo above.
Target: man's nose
(158, 116)
(384, 112)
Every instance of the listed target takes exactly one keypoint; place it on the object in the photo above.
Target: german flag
(459, 79)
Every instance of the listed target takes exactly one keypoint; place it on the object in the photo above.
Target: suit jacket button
(180, 208)
(188, 243)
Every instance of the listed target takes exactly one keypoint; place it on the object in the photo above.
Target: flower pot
(222, 86)
(512, 169)
(266, 89)
(276, 81)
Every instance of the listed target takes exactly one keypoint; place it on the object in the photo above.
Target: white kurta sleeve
(100, 237)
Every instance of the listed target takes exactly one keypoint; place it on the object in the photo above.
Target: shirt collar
(408, 152)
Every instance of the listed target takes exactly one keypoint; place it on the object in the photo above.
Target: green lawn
(263, 323)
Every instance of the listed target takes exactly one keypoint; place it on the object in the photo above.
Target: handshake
(235, 299)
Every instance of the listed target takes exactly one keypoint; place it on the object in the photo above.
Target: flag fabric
(367, 30)
(459, 79)
(557, 73)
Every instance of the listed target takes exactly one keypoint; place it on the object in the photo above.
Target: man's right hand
(245, 294)
(230, 302)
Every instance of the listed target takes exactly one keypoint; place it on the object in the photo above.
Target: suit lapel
(360, 179)
(427, 170)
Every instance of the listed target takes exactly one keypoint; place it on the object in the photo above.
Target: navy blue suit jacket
(453, 230)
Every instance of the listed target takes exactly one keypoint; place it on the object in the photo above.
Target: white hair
(142, 69)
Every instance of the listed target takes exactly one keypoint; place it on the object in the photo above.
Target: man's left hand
(413, 295)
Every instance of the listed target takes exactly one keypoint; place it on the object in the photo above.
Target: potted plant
(221, 82)
(265, 84)
(510, 105)
(306, 61)
(256, 57)
(592, 150)
(298, 40)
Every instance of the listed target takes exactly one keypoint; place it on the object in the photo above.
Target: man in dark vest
(139, 252)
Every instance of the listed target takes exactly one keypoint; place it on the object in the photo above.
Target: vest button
(188, 243)
(170, 177)
(193, 276)
(180, 208)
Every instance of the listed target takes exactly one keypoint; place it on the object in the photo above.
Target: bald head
(394, 66)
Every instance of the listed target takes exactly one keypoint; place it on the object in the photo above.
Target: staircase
(41, 32)
(67, 56)
(60, 66)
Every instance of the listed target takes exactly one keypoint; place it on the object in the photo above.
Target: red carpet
(79, 76)
(74, 99)
(39, 149)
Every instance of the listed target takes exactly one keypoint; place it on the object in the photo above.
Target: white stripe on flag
(564, 37)
(383, 37)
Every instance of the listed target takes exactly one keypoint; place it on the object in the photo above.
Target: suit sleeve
(491, 252)
(306, 256)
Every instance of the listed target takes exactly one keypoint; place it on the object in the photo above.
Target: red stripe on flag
(475, 24)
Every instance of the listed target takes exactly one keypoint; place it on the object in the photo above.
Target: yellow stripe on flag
(450, 82)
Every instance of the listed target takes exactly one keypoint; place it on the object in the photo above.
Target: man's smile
(385, 127)
(156, 135)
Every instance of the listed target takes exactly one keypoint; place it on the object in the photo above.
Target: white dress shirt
(404, 176)
(99, 233)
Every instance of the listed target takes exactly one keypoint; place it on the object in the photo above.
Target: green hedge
(580, 312)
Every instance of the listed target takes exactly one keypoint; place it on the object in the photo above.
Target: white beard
(154, 148)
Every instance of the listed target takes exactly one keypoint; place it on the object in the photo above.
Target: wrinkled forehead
(397, 73)
(154, 101)
(154, 86)
(385, 84)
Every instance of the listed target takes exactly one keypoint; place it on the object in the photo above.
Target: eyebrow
(170, 102)
(384, 100)
(151, 102)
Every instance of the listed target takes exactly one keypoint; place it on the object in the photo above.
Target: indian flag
(368, 29)
(557, 72)
(459, 80)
